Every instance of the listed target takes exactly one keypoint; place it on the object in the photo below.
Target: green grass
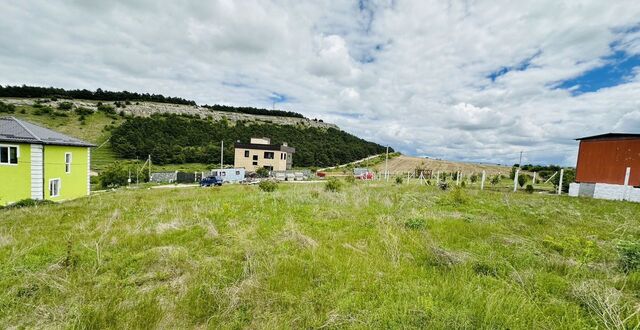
(93, 129)
(373, 255)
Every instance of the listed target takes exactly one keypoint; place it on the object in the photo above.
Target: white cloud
(412, 74)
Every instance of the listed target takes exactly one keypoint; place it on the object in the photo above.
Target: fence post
(515, 180)
(484, 176)
(560, 182)
(458, 178)
(534, 178)
(627, 176)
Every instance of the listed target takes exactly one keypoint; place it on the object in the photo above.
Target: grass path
(375, 255)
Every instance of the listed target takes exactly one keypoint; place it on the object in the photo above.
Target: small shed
(605, 158)
(608, 167)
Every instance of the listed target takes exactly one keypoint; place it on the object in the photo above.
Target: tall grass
(373, 255)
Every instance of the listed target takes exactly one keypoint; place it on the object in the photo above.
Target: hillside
(146, 109)
(404, 164)
(318, 143)
(374, 255)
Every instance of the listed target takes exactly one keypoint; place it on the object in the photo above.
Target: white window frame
(9, 146)
(59, 187)
(67, 166)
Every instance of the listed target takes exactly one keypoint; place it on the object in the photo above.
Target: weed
(456, 197)
(629, 253)
(268, 185)
(350, 179)
(333, 185)
(415, 223)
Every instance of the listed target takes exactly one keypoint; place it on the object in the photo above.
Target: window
(268, 155)
(283, 156)
(9, 155)
(67, 162)
(270, 168)
(246, 153)
(237, 172)
(255, 157)
(54, 187)
(255, 163)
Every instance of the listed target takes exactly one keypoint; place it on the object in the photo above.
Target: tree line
(253, 111)
(175, 139)
(85, 94)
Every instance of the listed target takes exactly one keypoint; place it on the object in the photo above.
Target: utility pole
(386, 165)
(221, 154)
(149, 159)
(520, 162)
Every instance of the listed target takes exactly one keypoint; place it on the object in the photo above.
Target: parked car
(211, 181)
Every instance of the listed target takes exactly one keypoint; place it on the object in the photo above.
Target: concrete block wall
(607, 191)
(634, 195)
(574, 189)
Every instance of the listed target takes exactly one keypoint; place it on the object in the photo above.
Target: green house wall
(72, 185)
(16, 179)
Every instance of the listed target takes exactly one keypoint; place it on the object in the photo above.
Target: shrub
(568, 177)
(107, 109)
(81, 111)
(399, 180)
(7, 108)
(46, 110)
(529, 189)
(473, 178)
(65, 106)
(495, 180)
(262, 172)
(463, 184)
(333, 184)
(522, 179)
(443, 186)
(629, 255)
(268, 185)
(115, 175)
(350, 179)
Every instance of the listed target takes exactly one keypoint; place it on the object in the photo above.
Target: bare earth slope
(404, 164)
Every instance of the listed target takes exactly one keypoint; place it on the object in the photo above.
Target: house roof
(610, 136)
(20, 131)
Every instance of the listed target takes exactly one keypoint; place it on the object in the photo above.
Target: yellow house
(261, 153)
(38, 163)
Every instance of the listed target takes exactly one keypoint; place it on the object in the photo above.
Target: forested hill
(182, 139)
(25, 91)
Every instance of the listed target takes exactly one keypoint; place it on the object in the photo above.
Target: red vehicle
(365, 176)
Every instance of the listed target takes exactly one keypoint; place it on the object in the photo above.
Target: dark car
(211, 181)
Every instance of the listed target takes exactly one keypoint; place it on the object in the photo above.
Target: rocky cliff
(145, 109)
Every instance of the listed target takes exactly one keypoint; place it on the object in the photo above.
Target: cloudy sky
(464, 80)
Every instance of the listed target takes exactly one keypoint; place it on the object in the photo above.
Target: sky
(460, 80)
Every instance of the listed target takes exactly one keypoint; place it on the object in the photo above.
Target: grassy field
(374, 255)
(93, 129)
